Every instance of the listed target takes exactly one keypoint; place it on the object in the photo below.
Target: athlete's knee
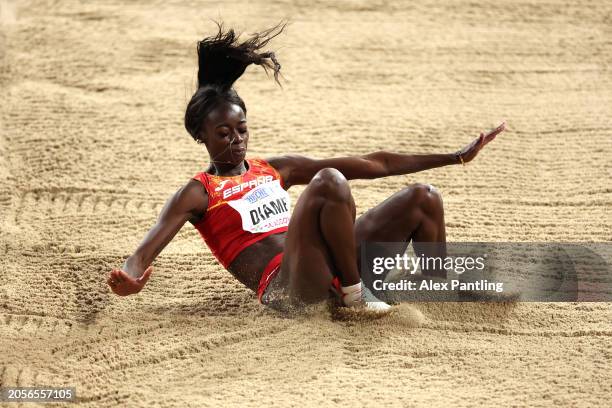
(426, 193)
(426, 189)
(331, 183)
(329, 174)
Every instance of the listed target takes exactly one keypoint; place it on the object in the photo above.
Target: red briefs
(270, 271)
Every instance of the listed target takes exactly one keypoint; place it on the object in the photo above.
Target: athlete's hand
(469, 152)
(122, 284)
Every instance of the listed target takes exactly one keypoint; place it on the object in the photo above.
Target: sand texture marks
(91, 145)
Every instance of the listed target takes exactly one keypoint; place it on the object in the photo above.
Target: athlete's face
(226, 134)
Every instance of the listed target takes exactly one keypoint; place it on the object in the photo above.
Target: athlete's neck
(227, 169)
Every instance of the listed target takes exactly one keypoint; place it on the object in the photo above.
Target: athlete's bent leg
(415, 213)
(320, 243)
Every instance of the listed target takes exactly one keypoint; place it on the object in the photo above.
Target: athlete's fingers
(145, 276)
(491, 136)
(121, 276)
(112, 284)
(501, 126)
(115, 275)
(497, 130)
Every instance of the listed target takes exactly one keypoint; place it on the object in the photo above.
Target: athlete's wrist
(133, 266)
(456, 158)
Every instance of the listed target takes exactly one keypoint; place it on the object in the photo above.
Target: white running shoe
(372, 302)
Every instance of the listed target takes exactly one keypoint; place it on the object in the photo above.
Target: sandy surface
(92, 144)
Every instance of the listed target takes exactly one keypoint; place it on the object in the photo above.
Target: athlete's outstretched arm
(295, 169)
(189, 201)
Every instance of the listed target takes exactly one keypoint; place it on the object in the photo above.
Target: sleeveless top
(243, 209)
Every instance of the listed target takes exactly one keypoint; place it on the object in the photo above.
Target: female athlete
(241, 207)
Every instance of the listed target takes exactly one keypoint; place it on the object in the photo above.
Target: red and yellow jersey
(243, 209)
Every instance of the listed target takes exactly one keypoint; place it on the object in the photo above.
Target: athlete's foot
(372, 302)
(359, 297)
(358, 304)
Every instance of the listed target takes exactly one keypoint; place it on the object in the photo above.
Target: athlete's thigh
(389, 221)
(305, 268)
(393, 220)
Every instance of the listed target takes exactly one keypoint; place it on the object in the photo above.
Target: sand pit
(92, 144)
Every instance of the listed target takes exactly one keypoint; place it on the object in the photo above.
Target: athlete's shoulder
(201, 177)
(268, 168)
(258, 162)
(288, 165)
(287, 160)
(262, 164)
(193, 196)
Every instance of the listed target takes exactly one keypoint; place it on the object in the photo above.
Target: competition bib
(264, 208)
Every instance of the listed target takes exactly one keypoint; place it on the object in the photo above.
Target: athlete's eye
(243, 130)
